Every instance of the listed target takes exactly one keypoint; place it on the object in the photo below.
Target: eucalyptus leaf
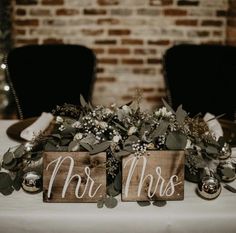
(8, 157)
(161, 129)
(36, 155)
(120, 154)
(50, 147)
(111, 202)
(230, 188)
(111, 191)
(168, 107)
(82, 101)
(57, 136)
(65, 141)
(180, 114)
(228, 172)
(159, 203)
(176, 141)
(144, 203)
(5, 180)
(18, 180)
(7, 191)
(118, 182)
(68, 131)
(86, 146)
(131, 140)
(89, 139)
(11, 165)
(19, 152)
(120, 126)
(100, 147)
(100, 203)
(73, 146)
(211, 150)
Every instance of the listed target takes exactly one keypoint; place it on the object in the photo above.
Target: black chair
(43, 76)
(201, 77)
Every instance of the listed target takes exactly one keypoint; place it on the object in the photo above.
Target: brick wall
(128, 36)
(231, 23)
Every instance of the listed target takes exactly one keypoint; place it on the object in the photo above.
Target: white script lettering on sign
(74, 177)
(158, 175)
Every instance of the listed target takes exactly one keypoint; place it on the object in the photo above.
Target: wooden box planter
(74, 177)
(156, 175)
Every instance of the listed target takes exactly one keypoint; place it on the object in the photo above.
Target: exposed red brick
(215, 42)
(187, 3)
(20, 12)
(175, 12)
(26, 2)
(121, 12)
(154, 61)
(148, 12)
(161, 90)
(40, 12)
(118, 32)
(148, 89)
(215, 23)
(52, 41)
(27, 41)
(160, 2)
(53, 2)
(132, 61)
(118, 51)
(154, 99)
(109, 21)
(106, 79)
(108, 2)
(132, 41)
(127, 98)
(221, 13)
(201, 33)
(111, 61)
(95, 11)
(26, 22)
(98, 50)
(54, 22)
(231, 22)
(145, 51)
(217, 33)
(92, 32)
(186, 22)
(100, 70)
(149, 71)
(67, 12)
(19, 32)
(159, 42)
(105, 42)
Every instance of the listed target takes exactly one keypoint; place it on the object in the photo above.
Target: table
(21, 212)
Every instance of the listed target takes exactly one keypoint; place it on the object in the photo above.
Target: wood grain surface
(162, 166)
(95, 164)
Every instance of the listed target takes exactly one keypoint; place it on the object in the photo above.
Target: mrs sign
(157, 175)
(74, 177)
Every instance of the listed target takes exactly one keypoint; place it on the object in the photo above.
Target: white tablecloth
(25, 213)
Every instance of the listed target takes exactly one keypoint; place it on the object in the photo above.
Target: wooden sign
(157, 175)
(74, 177)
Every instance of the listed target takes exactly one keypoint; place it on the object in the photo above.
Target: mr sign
(74, 177)
(157, 175)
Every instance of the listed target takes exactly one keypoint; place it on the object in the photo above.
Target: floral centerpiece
(119, 131)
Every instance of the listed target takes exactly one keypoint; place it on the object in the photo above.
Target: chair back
(201, 77)
(43, 76)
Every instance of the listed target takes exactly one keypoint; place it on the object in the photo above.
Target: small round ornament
(209, 187)
(227, 172)
(32, 182)
(225, 151)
